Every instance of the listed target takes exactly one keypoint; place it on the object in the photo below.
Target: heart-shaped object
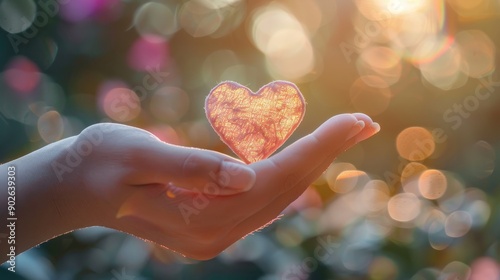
(254, 125)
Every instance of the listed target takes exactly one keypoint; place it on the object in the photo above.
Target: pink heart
(254, 125)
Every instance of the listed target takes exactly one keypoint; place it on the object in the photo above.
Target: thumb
(201, 170)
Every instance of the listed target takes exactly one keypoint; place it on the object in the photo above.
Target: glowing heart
(254, 125)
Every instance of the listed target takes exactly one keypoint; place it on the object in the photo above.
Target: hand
(177, 196)
(193, 201)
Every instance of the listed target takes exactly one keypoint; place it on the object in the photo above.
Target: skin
(131, 181)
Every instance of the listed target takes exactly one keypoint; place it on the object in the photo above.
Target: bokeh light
(381, 62)
(148, 53)
(347, 180)
(438, 239)
(454, 196)
(157, 19)
(334, 170)
(281, 37)
(458, 224)
(119, 102)
(445, 71)
(217, 63)
(169, 104)
(478, 52)
(79, 10)
(411, 171)
(415, 143)
(201, 134)
(432, 184)
(199, 18)
(375, 195)
(50, 126)
(404, 207)
(202, 18)
(17, 16)
(22, 75)
(485, 268)
(481, 159)
(455, 270)
(383, 268)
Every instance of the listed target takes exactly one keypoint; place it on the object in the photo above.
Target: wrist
(64, 186)
(45, 205)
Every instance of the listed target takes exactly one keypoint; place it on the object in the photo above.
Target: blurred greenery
(418, 201)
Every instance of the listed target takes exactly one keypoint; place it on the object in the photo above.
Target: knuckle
(90, 130)
(99, 128)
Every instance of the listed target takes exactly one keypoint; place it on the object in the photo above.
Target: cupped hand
(198, 202)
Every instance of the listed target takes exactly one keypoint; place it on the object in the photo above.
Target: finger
(194, 169)
(277, 175)
(300, 186)
(286, 198)
(299, 159)
(356, 135)
(273, 209)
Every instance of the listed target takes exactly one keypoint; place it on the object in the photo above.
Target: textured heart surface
(254, 125)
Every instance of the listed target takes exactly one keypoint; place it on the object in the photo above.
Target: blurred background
(418, 201)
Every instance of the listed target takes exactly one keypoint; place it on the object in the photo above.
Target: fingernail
(240, 177)
(375, 126)
(356, 128)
